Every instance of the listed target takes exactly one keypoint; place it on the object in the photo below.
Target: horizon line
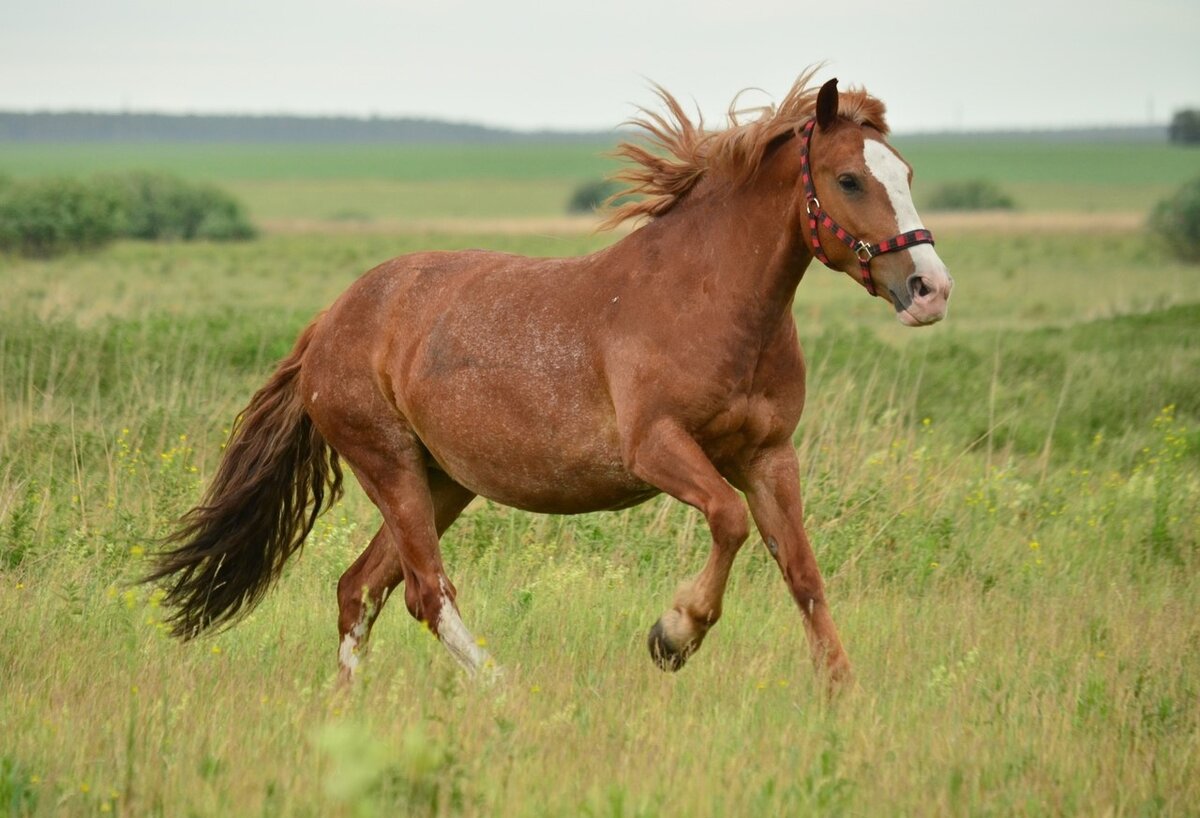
(945, 130)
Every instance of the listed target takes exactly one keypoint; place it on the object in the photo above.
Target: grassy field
(361, 183)
(1005, 507)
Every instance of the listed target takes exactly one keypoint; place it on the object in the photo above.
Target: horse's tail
(276, 477)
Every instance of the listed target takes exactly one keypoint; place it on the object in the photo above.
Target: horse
(667, 362)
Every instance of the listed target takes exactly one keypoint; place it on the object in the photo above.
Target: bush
(158, 206)
(1185, 127)
(591, 195)
(50, 216)
(225, 222)
(971, 194)
(1177, 221)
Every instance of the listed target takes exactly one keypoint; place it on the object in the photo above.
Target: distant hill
(45, 127)
(48, 127)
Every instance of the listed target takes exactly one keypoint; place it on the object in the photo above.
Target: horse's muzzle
(927, 297)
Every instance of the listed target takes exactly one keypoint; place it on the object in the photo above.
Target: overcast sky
(539, 63)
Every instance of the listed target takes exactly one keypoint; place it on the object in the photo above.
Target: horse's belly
(554, 488)
(536, 475)
(548, 447)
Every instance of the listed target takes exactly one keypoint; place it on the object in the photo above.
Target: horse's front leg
(668, 458)
(773, 491)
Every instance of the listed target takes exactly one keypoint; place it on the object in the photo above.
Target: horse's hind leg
(362, 590)
(367, 583)
(773, 489)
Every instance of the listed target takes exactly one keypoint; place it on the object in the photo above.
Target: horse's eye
(849, 183)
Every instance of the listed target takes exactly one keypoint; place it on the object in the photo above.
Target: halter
(818, 217)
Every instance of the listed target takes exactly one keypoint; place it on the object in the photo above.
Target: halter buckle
(863, 251)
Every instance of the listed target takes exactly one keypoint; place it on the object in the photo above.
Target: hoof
(489, 674)
(839, 678)
(665, 655)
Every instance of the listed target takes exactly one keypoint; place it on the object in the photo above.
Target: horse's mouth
(909, 320)
(911, 314)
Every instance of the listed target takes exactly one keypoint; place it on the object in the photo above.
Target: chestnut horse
(667, 362)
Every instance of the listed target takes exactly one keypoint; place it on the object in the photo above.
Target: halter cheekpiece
(818, 217)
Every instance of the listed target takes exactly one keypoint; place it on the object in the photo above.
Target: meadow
(365, 183)
(1005, 507)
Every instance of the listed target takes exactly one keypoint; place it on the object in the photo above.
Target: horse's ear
(827, 104)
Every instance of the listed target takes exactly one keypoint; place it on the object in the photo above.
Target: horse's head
(860, 214)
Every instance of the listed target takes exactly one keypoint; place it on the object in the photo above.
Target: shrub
(591, 195)
(225, 222)
(158, 206)
(970, 194)
(50, 216)
(1185, 127)
(1177, 221)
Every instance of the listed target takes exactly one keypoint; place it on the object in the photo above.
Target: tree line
(145, 127)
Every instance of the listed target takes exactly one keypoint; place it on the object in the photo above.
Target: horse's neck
(742, 249)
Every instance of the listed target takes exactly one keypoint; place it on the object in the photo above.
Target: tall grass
(1005, 510)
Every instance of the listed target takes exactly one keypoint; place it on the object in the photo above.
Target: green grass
(1048, 176)
(1005, 507)
(347, 183)
(1021, 161)
(305, 273)
(1016, 161)
(352, 201)
(365, 182)
(226, 162)
(1004, 281)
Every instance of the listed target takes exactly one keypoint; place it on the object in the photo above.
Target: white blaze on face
(892, 173)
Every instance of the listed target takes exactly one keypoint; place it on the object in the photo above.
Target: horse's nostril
(919, 287)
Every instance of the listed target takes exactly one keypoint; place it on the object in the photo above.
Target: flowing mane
(677, 153)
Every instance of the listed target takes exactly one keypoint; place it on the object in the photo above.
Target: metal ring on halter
(861, 248)
(813, 206)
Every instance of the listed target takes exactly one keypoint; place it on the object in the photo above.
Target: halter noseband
(817, 218)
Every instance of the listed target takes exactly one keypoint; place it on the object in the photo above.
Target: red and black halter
(817, 218)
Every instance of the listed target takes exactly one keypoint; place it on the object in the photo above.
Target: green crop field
(1005, 507)
(410, 163)
(361, 183)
